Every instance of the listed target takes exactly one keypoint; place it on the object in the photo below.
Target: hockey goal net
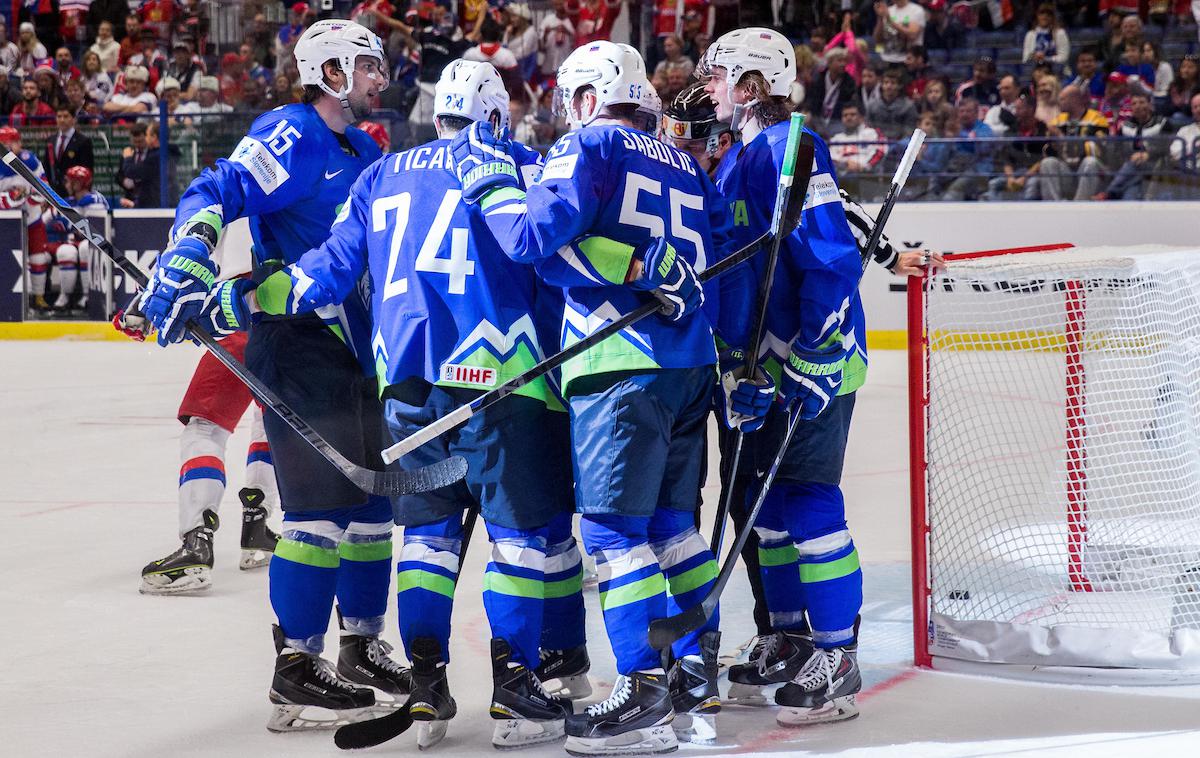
(1055, 450)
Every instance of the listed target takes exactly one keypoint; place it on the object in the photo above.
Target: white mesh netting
(1063, 452)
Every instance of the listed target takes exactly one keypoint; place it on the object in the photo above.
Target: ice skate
(564, 672)
(258, 541)
(775, 659)
(634, 720)
(823, 690)
(308, 694)
(62, 302)
(188, 569)
(694, 695)
(430, 703)
(38, 303)
(365, 661)
(525, 713)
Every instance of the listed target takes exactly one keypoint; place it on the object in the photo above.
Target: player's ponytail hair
(768, 110)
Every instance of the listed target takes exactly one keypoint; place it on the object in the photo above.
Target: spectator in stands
(253, 68)
(522, 121)
(72, 24)
(32, 50)
(942, 30)
(64, 65)
(675, 59)
(114, 12)
(856, 58)
(150, 56)
(1047, 93)
(282, 91)
(1164, 75)
(192, 21)
(106, 47)
(149, 182)
(169, 91)
(65, 149)
(136, 98)
(206, 106)
(971, 155)
(928, 172)
(556, 34)
(1116, 106)
(893, 114)
(595, 21)
(96, 82)
(831, 91)
(48, 84)
(472, 16)
(184, 68)
(522, 39)
(131, 43)
(233, 78)
(1020, 157)
(85, 111)
(899, 25)
(869, 87)
(696, 38)
(10, 54)
(981, 87)
(258, 36)
(254, 100)
(851, 148)
(1186, 147)
(1147, 145)
(157, 16)
(1088, 75)
(289, 33)
(32, 110)
(1179, 95)
(491, 50)
(1137, 70)
(1074, 163)
(1002, 116)
(935, 103)
(1122, 31)
(1047, 41)
(919, 73)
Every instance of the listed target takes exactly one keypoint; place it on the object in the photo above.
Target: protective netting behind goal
(1062, 452)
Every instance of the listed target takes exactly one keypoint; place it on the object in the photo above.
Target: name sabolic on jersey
(814, 296)
(448, 305)
(288, 175)
(628, 187)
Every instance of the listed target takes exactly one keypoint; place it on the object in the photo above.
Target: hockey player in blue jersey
(638, 401)
(288, 176)
(814, 345)
(73, 252)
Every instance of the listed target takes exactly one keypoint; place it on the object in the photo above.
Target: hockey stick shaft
(371, 481)
(786, 180)
(664, 632)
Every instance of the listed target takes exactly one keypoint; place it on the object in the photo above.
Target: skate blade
(569, 687)
(510, 734)
(306, 718)
(430, 733)
(194, 580)
(838, 709)
(750, 695)
(253, 558)
(696, 728)
(650, 741)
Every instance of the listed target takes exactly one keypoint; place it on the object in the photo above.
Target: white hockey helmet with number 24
(341, 41)
(615, 71)
(472, 90)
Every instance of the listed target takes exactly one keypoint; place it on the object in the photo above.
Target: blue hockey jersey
(447, 304)
(288, 175)
(814, 296)
(622, 184)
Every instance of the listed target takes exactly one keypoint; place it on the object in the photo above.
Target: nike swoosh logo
(335, 173)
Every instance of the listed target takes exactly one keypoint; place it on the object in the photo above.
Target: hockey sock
(68, 268)
(260, 467)
(202, 475)
(514, 588)
(39, 267)
(563, 614)
(779, 562)
(425, 576)
(364, 574)
(688, 566)
(304, 577)
(830, 575)
(632, 587)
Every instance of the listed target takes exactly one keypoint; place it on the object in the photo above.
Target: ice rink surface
(91, 668)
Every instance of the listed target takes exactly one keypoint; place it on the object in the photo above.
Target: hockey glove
(743, 403)
(810, 379)
(177, 290)
(131, 322)
(670, 278)
(483, 160)
(225, 310)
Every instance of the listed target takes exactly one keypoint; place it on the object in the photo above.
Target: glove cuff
(493, 171)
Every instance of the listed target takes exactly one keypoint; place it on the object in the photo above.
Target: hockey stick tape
(910, 157)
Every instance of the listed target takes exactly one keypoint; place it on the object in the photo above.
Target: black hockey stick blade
(374, 482)
(665, 631)
(365, 734)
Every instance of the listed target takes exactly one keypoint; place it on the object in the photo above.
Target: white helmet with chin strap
(754, 49)
(616, 72)
(649, 112)
(471, 90)
(340, 41)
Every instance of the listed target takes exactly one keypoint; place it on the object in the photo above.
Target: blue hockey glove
(483, 160)
(743, 403)
(811, 379)
(225, 310)
(670, 278)
(177, 290)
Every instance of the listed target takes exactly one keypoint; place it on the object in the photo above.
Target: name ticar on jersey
(659, 151)
(426, 157)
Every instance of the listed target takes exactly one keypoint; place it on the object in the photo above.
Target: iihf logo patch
(479, 376)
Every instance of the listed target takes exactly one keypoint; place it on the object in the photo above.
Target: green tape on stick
(793, 139)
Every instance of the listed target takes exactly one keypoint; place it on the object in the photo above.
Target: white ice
(92, 668)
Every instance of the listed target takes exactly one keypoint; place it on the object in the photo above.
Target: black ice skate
(564, 672)
(430, 704)
(823, 690)
(776, 659)
(365, 661)
(306, 689)
(634, 720)
(525, 713)
(694, 695)
(188, 569)
(258, 541)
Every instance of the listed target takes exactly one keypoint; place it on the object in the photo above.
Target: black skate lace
(817, 670)
(621, 692)
(378, 653)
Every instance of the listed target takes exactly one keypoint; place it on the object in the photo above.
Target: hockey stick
(786, 176)
(458, 416)
(424, 479)
(665, 631)
(364, 734)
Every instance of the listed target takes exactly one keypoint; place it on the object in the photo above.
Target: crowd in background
(1093, 96)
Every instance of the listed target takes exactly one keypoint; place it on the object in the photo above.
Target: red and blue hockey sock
(688, 566)
(202, 471)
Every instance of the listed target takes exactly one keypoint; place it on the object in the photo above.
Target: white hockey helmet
(337, 40)
(472, 90)
(754, 49)
(649, 113)
(616, 71)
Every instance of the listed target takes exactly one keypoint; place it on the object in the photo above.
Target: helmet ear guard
(342, 42)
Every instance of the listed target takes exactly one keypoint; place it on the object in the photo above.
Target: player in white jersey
(15, 194)
(72, 254)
